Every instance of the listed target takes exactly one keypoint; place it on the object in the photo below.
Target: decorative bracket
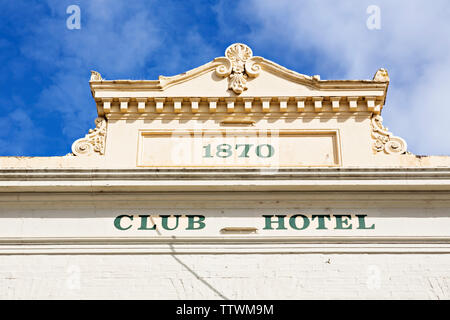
(93, 142)
(238, 64)
(385, 140)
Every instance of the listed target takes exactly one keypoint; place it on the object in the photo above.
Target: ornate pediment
(240, 76)
(338, 119)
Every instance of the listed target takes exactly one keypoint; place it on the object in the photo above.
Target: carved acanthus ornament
(385, 140)
(93, 142)
(238, 64)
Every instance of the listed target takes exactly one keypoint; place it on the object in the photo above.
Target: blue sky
(45, 98)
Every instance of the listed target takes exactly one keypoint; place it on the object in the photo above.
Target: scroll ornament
(385, 140)
(93, 142)
(238, 65)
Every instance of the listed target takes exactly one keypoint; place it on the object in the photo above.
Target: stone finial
(95, 76)
(381, 75)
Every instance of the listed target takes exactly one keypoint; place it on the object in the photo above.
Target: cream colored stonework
(300, 148)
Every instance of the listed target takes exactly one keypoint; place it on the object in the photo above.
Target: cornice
(165, 82)
(220, 179)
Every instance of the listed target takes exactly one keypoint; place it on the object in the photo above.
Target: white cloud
(413, 44)
(115, 38)
(120, 39)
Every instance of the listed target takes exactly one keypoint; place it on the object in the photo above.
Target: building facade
(239, 179)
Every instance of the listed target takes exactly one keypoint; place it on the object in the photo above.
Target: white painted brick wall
(212, 276)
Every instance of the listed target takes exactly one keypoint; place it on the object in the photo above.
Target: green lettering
(294, 225)
(192, 222)
(224, 151)
(244, 153)
(280, 222)
(118, 219)
(321, 221)
(207, 151)
(362, 223)
(164, 222)
(144, 219)
(270, 151)
(343, 224)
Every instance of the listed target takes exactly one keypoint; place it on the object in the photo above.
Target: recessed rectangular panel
(238, 148)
